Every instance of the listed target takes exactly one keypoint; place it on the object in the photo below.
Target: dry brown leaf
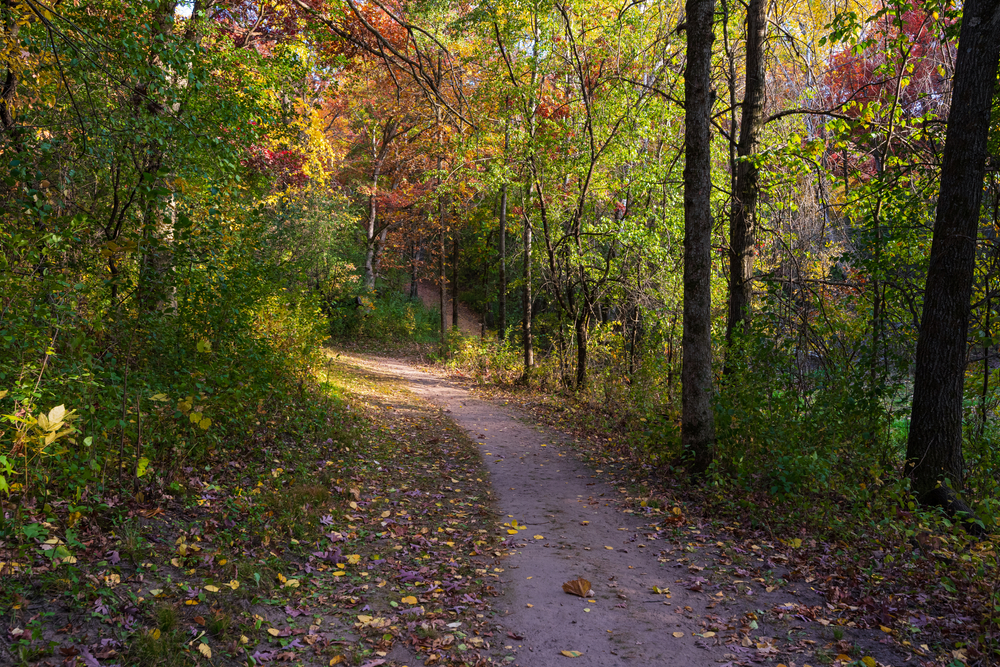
(577, 587)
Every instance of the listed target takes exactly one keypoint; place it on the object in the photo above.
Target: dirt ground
(660, 592)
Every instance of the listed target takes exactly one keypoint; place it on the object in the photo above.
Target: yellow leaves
(212, 589)
(609, 548)
(287, 583)
(154, 633)
(409, 599)
(678, 634)
(336, 660)
(205, 650)
(578, 587)
(539, 537)
(795, 543)
(571, 654)
(190, 603)
(353, 559)
(274, 632)
(869, 661)
(234, 584)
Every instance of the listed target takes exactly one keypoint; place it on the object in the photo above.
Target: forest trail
(469, 323)
(659, 595)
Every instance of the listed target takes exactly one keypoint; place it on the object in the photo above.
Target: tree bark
(697, 420)
(502, 321)
(454, 280)
(743, 215)
(529, 353)
(934, 461)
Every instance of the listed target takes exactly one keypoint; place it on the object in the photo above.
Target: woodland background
(196, 196)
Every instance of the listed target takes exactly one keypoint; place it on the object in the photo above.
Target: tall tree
(743, 216)
(697, 419)
(934, 461)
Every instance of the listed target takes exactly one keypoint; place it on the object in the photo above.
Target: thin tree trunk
(582, 332)
(697, 420)
(454, 280)
(743, 216)
(934, 461)
(529, 353)
(502, 322)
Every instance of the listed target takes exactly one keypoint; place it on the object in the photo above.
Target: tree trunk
(502, 321)
(934, 448)
(454, 280)
(743, 216)
(529, 353)
(697, 420)
(371, 246)
(582, 323)
(414, 263)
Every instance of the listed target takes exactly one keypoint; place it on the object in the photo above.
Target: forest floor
(443, 530)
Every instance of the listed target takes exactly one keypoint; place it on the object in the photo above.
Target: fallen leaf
(205, 650)
(577, 587)
(678, 634)
(843, 657)
(610, 548)
(336, 660)
(885, 629)
(708, 634)
(539, 537)
(200, 620)
(274, 632)
(571, 654)
(212, 589)
(409, 599)
(869, 661)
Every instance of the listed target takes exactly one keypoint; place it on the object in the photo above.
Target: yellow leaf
(339, 573)
(212, 589)
(353, 505)
(708, 634)
(571, 654)
(282, 578)
(205, 423)
(843, 657)
(234, 584)
(57, 414)
(884, 629)
(155, 633)
(796, 543)
(869, 661)
(409, 599)
(610, 548)
(386, 514)
(539, 537)
(678, 634)
(292, 583)
(364, 618)
(274, 632)
(353, 559)
(190, 602)
(511, 531)
(205, 650)
(336, 660)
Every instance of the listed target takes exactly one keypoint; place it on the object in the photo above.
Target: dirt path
(574, 529)
(664, 591)
(469, 323)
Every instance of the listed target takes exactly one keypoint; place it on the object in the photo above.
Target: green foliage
(385, 316)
